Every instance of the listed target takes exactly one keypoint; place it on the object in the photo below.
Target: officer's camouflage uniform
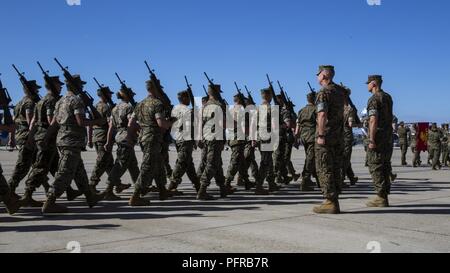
(307, 122)
(445, 146)
(288, 153)
(126, 156)
(434, 139)
(105, 160)
(380, 105)
(12, 204)
(329, 157)
(266, 167)
(185, 148)
(402, 132)
(47, 155)
(27, 150)
(416, 153)
(249, 162)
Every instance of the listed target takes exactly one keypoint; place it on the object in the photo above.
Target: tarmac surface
(417, 221)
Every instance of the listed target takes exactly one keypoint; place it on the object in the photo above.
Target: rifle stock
(124, 86)
(5, 100)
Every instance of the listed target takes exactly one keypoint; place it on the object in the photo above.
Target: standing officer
(445, 144)
(434, 139)
(380, 112)
(330, 139)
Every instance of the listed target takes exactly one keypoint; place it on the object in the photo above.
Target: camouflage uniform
(280, 165)
(402, 132)
(47, 154)
(126, 156)
(105, 160)
(349, 117)
(414, 150)
(307, 122)
(329, 157)
(249, 162)
(151, 139)
(237, 147)
(185, 148)
(27, 151)
(70, 141)
(288, 153)
(445, 146)
(213, 148)
(380, 105)
(266, 168)
(434, 139)
(4, 188)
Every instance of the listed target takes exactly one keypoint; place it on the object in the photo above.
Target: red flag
(422, 139)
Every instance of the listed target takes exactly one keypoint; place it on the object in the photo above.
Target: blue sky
(406, 41)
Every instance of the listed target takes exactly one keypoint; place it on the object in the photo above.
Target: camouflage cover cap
(78, 80)
(377, 78)
(183, 93)
(213, 88)
(127, 92)
(55, 79)
(34, 85)
(401, 123)
(325, 67)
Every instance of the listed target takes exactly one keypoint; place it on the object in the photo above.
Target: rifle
(289, 105)
(249, 96)
(161, 95)
(5, 100)
(35, 96)
(77, 89)
(125, 87)
(192, 99)
(272, 90)
(105, 91)
(310, 88)
(48, 80)
(206, 91)
(211, 83)
(240, 95)
(350, 102)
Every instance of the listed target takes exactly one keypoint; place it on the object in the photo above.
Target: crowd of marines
(52, 132)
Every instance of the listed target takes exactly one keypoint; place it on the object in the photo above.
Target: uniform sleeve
(78, 107)
(28, 107)
(299, 121)
(286, 116)
(50, 108)
(372, 107)
(322, 102)
(159, 111)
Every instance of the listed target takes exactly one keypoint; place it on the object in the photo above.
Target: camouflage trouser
(125, 160)
(27, 154)
(288, 157)
(379, 168)
(4, 188)
(347, 164)
(70, 167)
(404, 150)
(165, 154)
(280, 168)
(416, 156)
(46, 157)
(266, 168)
(436, 154)
(152, 166)
(445, 158)
(202, 165)
(104, 163)
(329, 161)
(430, 153)
(249, 161)
(236, 162)
(309, 169)
(184, 163)
(213, 168)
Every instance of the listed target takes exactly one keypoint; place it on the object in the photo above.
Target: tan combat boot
(93, 198)
(173, 189)
(109, 194)
(50, 206)
(203, 195)
(28, 201)
(121, 187)
(379, 201)
(137, 201)
(328, 207)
